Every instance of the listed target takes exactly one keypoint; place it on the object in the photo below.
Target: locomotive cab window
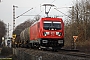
(49, 25)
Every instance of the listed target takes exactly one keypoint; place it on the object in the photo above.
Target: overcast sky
(6, 9)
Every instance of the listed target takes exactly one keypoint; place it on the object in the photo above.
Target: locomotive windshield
(49, 25)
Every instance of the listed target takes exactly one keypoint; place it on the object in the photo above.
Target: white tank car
(24, 35)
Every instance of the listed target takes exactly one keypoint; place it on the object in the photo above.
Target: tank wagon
(24, 37)
(45, 33)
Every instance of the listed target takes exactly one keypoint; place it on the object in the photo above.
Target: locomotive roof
(50, 18)
(46, 18)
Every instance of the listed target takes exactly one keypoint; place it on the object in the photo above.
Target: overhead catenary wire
(53, 1)
(62, 12)
(24, 13)
(40, 9)
(28, 11)
(33, 8)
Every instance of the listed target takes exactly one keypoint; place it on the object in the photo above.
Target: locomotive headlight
(58, 33)
(46, 33)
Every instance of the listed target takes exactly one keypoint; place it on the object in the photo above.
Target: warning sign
(75, 38)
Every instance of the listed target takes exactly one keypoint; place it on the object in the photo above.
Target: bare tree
(2, 30)
(79, 23)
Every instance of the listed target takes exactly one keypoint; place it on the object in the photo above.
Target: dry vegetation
(79, 25)
(2, 30)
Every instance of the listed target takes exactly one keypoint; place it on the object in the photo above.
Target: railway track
(70, 52)
(79, 54)
(74, 53)
(50, 55)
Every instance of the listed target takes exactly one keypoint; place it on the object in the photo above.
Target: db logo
(52, 33)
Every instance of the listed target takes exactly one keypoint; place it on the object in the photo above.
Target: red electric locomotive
(47, 33)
